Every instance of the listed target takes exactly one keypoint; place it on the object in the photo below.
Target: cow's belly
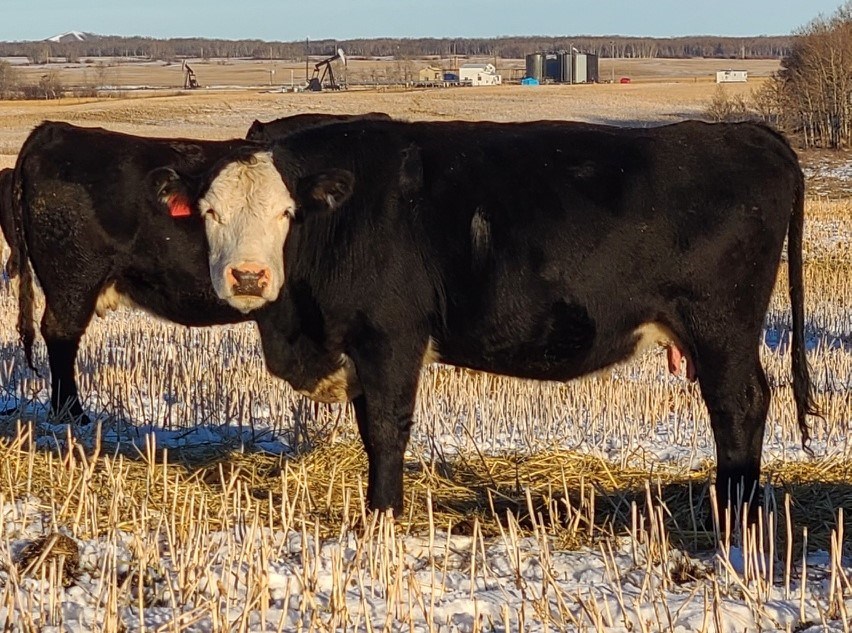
(542, 360)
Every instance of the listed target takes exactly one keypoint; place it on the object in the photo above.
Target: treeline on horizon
(760, 47)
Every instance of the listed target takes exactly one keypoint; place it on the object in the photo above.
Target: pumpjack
(189, 80)
(323, 69)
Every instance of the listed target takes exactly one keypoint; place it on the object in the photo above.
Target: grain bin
(565, 71)
(580, 68)
(592, 71)
(552, 69)
(535, 66)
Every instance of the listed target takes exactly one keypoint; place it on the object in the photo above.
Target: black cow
(88, 217)
(93, 226)
(274, 130)
(543, 250)
(6, 219)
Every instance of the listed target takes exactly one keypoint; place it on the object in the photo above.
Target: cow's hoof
(72, 419)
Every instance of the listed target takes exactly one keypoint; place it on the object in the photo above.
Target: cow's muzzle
(248, 279)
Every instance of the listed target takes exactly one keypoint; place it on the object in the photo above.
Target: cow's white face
(247, 213)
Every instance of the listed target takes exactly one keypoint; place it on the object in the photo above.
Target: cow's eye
(286, 215)
(210, 214)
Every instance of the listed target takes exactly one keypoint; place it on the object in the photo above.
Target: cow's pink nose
(248, 278)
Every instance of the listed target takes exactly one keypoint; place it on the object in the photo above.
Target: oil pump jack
(189, 80)
(322, 69)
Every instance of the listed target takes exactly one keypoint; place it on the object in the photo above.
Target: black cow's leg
(62, 338)
(737, 394)
(360, 406)
(384, 414)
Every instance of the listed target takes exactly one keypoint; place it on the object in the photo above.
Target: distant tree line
(509, 47)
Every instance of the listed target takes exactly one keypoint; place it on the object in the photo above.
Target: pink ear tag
(179, 207)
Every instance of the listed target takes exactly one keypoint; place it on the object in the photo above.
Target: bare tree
(9, 80)
(724, 107)
(815, 82)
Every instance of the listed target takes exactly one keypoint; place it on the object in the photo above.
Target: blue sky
(343, 19)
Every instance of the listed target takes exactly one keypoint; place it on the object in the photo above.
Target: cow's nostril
(244, 276)
(249, 279)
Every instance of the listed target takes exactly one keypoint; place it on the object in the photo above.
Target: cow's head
(248, 212)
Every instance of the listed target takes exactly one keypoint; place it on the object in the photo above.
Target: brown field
(662, 91)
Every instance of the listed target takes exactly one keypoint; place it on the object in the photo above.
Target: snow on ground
(452, 584)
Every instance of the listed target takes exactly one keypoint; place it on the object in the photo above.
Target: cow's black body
(273, 130)
(6, 217)
(88, 219)
(538, 250)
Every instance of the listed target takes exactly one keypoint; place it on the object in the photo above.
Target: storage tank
(592, 72)
(580, 68)
(565, 70)
(535, 66)
(552, 66)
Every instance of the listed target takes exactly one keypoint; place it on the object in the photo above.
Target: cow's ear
(324, 191)
(255, 132)
(171, 191)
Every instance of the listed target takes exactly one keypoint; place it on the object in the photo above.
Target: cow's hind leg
(62, 336)
(736, 392)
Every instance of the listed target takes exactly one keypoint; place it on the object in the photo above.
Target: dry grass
(173, 521)
(665, 91)
(579, 497)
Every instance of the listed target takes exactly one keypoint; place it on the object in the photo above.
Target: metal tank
(552, 69)
(535, 66)
(565, 70)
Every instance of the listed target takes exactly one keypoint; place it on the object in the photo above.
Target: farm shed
(731, 76)
(479, 75)
(430, 73)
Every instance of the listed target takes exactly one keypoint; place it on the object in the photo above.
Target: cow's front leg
(384, 411)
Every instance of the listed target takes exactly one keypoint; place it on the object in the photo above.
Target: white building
(731, 76)
(479, 75)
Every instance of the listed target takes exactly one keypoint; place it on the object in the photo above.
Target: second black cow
(87, 218)
(278, 128)
(82, 207)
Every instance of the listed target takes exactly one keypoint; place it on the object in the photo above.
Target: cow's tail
(20, 262)
(803, 392)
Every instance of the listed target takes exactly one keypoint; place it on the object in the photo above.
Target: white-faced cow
(542, 250)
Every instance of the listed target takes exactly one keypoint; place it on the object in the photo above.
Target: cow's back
(279, 128)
